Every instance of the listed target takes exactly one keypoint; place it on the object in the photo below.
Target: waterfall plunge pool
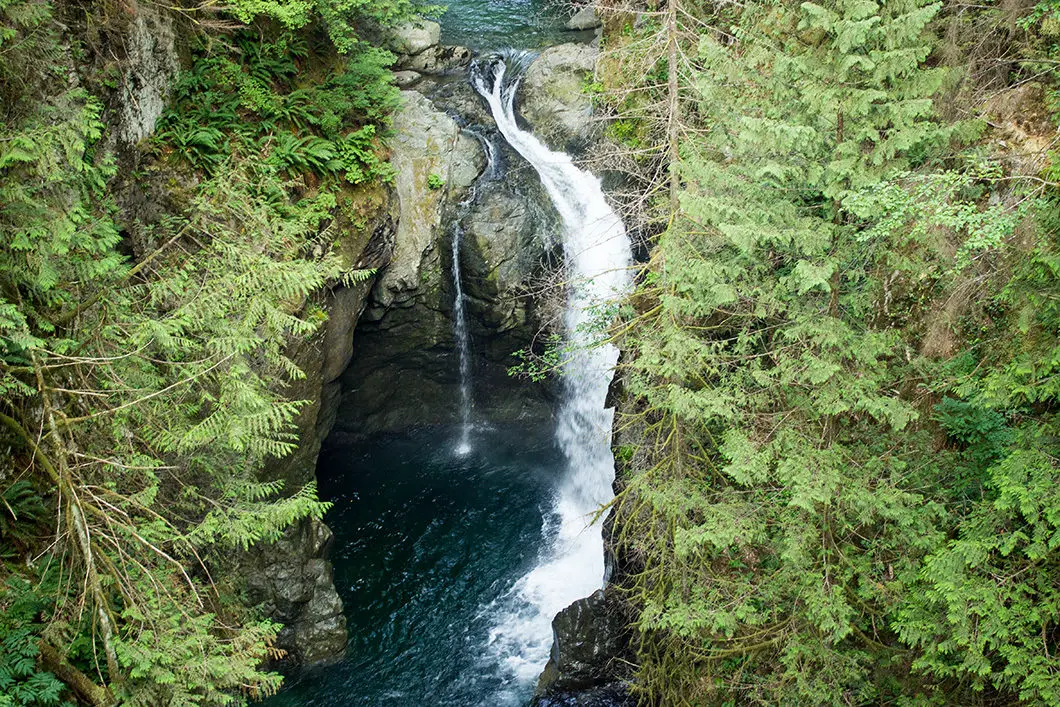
(428, 547)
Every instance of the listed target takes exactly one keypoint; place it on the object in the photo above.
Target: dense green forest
(142, 380)
(840, 436)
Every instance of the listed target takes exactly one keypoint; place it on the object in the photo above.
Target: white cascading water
(460, 330)
(598, 266)
(488, 150)
(463, 347)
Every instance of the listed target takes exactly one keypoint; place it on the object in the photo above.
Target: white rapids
(598, 268)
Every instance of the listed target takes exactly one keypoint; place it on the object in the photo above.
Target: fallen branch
(79, 683)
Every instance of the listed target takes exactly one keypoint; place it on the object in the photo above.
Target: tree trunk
(673, 108)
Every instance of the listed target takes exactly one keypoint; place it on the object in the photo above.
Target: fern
(294, 155)
(247, 104)
(22, 682)
(21, 511)
(358, 152)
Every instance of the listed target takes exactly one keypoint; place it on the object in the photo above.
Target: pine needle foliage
(816, 509)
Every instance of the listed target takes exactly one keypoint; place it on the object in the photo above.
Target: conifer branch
(68, 421)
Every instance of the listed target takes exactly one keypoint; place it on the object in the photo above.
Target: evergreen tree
(784, 487)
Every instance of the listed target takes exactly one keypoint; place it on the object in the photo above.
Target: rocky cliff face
(449, 185)
(291, 580)
(151, 67)
(436, 163)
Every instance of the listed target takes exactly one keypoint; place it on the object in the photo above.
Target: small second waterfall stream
(463, 346)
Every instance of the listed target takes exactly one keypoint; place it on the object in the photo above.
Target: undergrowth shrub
(256, 100)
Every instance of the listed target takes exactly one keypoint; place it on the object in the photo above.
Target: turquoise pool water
(497, 24)
(427, 545)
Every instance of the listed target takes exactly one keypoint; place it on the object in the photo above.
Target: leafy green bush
(359, 156)
(981, 430)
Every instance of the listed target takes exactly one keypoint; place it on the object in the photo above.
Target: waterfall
(598, 259)
(460, 331)
(463, 347)
(492, 163)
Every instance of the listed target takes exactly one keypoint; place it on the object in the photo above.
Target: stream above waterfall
(493, 24)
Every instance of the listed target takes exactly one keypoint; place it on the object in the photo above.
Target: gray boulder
(585, 18)
(590, 638)
(553, 98)
(404, 79)
(291, 582)
(414, 37)
(416, 45)
(436, 59)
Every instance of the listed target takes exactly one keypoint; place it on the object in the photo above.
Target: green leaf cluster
(22, 682)
(253, 100)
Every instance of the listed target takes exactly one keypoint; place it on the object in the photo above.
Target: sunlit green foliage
(252, 101)
(985, 610)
